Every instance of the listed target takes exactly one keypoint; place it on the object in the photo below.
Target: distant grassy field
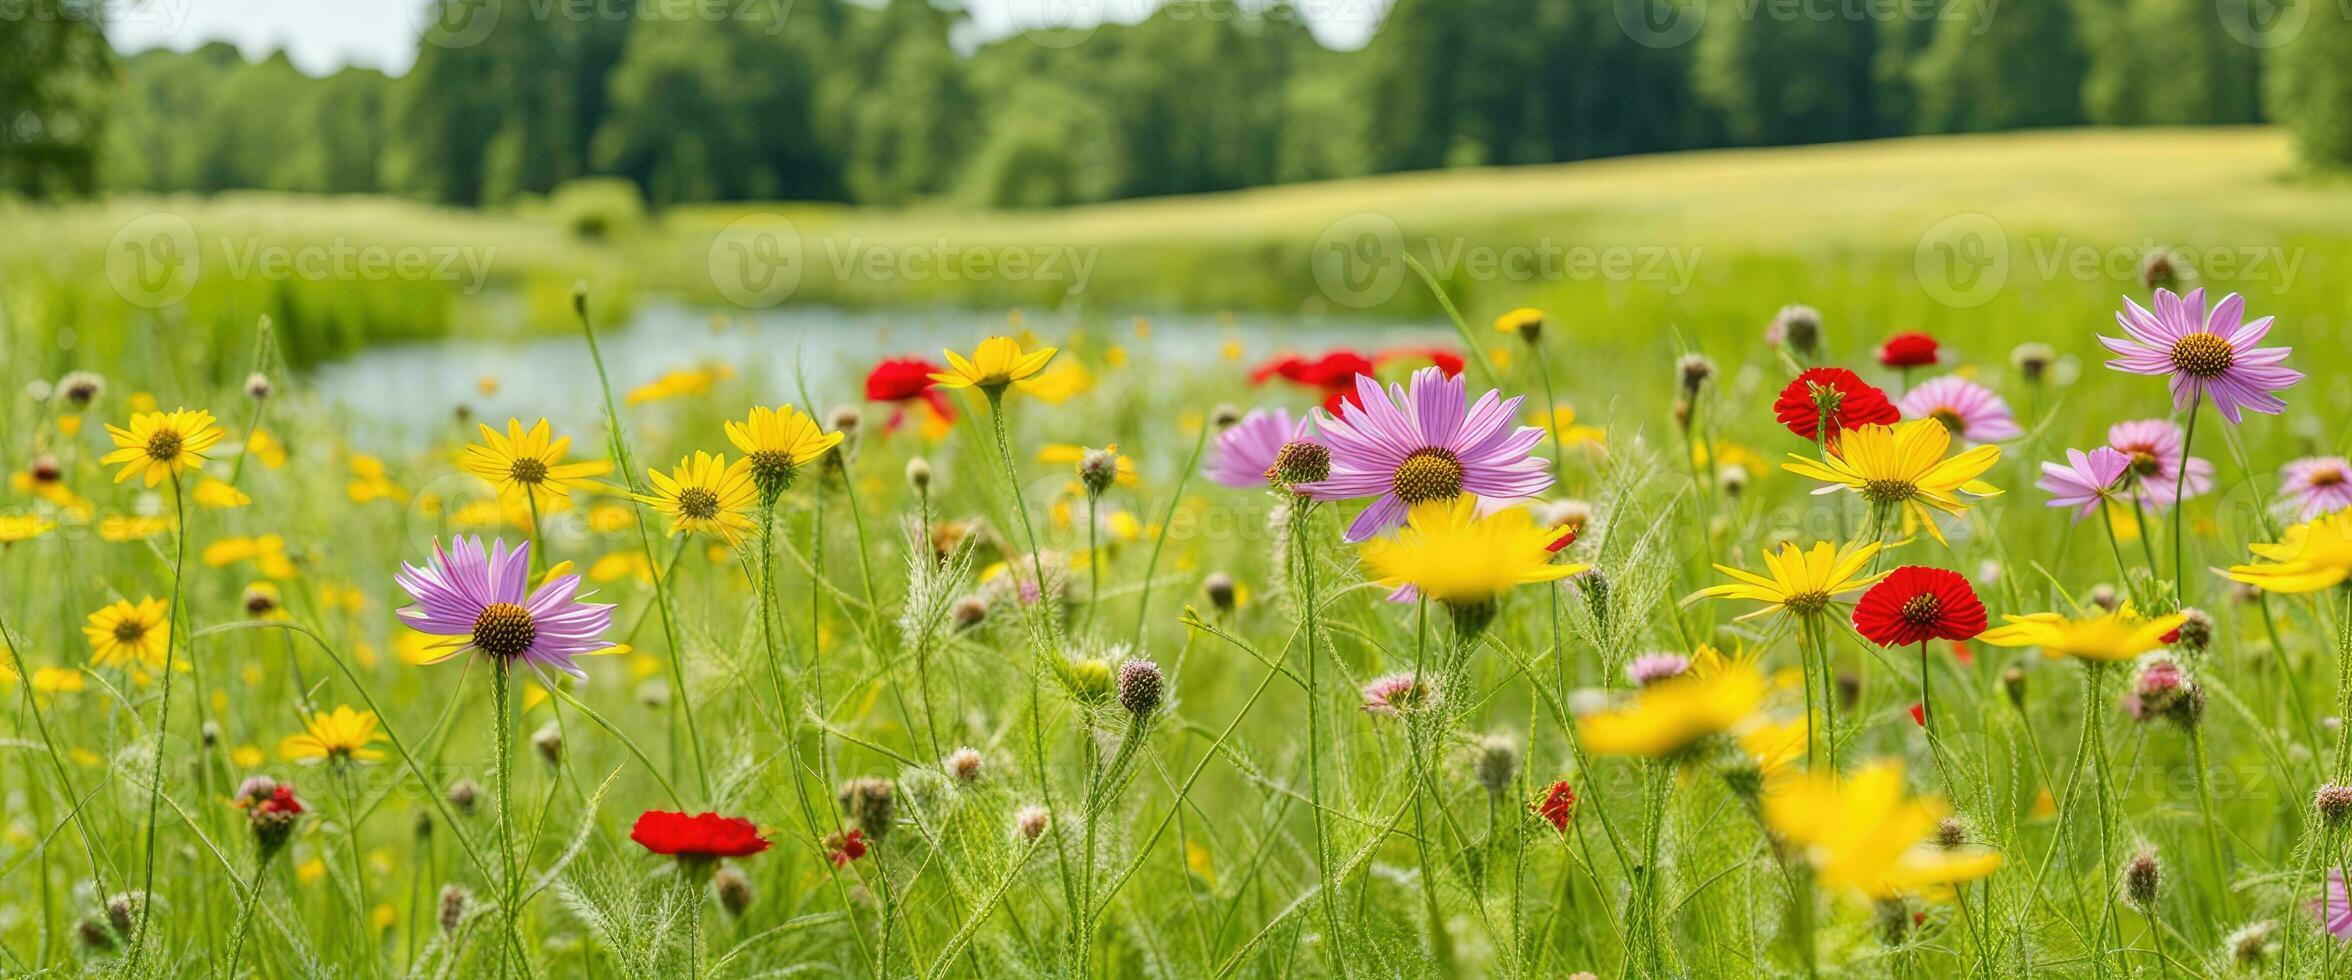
(1696, 242)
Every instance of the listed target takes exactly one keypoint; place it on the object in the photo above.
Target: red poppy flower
(846, 846)
(1917, 603)
(1333, 374)
(1444, 360)
(1556, 805)
(1853, 402)
(1907, 350)
(702, 835)
(280, 801)
(904, 379)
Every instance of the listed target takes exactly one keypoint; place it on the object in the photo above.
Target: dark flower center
(1429, 474)
(528, 470)
(2203, 354)
(504, 630)
(1806, 603)
(1950, 418)
(2328, 478)
(1922, 609)
(129, 631)
(163, 446)
(1300, 462)
(2145, 463)
(698, 503)
(1889, 491)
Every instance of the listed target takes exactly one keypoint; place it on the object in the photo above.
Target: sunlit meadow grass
(1185, 841)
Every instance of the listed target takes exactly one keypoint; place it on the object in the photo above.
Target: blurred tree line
(874, 102)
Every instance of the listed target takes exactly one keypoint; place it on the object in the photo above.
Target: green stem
(245, 913)
(1304, 558)
(1151, 566)
(162, 721)
(2180, 483)
(500, 684)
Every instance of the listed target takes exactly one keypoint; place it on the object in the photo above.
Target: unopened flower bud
(2196, 630)
(2013, 682)
(464, 795)
(209, 732)
(1693, 371)
(734, 888)
(2141, 878)
(1032, 822)
(918, 474)
(2161, 269)
(122, 910)
(968, 612)
(1097, 468)
(1497, 762)
(964, 764)
(1951, 834)
(46, 469)
(454, 899)
(80, 388)
(2252, 944)
(2104, 596)
(261, 599)
(549, 741)
(257, 386)
(1733, 478)
(1225, 416)
(1141, 687)
(2334, 802)
(846, 419)
(1650, 668)
(1219, 587)
(2032, 359)
(871, 803)
(1797, 326)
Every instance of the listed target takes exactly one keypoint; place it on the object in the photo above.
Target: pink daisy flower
(2158, 450)
(1969, 409)
(2084, 483)
(1423, 443)
(1247, 451)
(1396, 694)
(2212, 356)
(481, 600)
(2334, 907)
(2317, 485)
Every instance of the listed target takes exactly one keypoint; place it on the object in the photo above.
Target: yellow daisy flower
(680, 383)
(1448, 553)
(1727, 454)
(161, 444)
(1668, 716)
(2309, 557)
(2108, 636)
(1773, 748)
(369, 482)
(266, 448)
(1902, 466)
(23, 527)
(705, 495)
(777, 442)
(997, 362)
(1865, 836)
(126, 633)
(1062, 382)
(1562, 423)
(219, 493)
(1803, 582)
(57, 680)
(1526, 321)
(524, 461)
(339, 735)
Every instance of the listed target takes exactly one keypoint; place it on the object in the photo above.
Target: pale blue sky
(323, 35)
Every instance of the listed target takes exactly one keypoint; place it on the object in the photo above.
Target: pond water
(407, 394)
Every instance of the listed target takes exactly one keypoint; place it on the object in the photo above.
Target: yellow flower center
(163, 446)
(1889, 491)
(129, 631)
(1951, 419)
(2203, 354)
(698, 503)
(1922, 609)
(528, 470)
(504, 630)
(1427, 475)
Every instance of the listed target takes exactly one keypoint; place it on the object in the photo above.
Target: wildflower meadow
(1829, 653)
